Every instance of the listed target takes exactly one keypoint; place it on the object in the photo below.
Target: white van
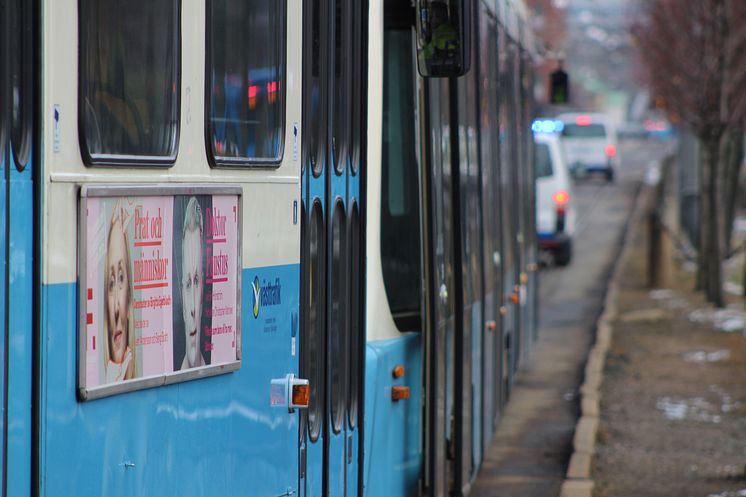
(555, 212)
(589, 143)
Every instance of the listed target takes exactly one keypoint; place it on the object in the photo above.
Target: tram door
(440, 360)
(17, 226)
(332, 339)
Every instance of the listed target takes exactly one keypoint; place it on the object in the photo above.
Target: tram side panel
(207, 436)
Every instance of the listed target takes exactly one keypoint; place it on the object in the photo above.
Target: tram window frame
(316, 328)
(355, 314)
(20, 127)
(338, 278)
(243, 162)
(126, 160)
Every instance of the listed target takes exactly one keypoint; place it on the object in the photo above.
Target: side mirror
(443, 38)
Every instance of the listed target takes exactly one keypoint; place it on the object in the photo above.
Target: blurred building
(550, 26)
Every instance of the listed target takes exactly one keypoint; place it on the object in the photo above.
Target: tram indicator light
(300, 395)
(400, 393)
(610, 151)
(398, 371)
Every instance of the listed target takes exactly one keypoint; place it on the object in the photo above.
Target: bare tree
(695, 56)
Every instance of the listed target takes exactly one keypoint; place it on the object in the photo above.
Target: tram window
(355, 316)
(21, 83)
(129, 80)
(342, 83)
(246, 77)
(337, 323)
(400, 214)
(543, 160)
(315, 346)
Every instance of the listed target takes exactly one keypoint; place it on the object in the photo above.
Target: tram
(267, 248)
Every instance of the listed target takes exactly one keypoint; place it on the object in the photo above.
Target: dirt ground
(673, 399)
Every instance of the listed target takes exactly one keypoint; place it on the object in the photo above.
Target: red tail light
(610, 151)
(561, 198)
(583, 120)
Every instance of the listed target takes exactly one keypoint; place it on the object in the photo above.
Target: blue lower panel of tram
(393, 429)
(213, 436)
(20, 328)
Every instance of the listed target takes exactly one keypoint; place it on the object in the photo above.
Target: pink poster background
(223, 243)
(148, 225)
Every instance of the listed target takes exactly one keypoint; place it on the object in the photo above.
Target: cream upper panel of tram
(270, 236)
(379, 321)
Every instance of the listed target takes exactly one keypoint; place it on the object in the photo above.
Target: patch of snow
(739, 224)
(728, 320)
(727, 404)
(662, 294)
(695, 409)
(667, 298)
(737, 493)
(689, 266)
(701, 357)
(733, 288)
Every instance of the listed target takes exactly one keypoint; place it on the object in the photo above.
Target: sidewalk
(672, 399)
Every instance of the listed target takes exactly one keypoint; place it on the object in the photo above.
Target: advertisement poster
(161, 286)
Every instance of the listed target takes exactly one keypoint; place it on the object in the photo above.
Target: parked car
(589, 144)
(555, 212)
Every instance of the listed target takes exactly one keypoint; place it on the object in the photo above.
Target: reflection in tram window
(314, 335)
(355, 316)
(129, 78)
(21, 80)
(246, 77)
(338, 320)
(400, 214)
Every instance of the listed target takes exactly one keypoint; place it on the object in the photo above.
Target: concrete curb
(578, 480)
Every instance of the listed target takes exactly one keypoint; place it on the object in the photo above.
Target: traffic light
(559, 88)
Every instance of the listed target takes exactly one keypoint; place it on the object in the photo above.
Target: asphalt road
(531, 450)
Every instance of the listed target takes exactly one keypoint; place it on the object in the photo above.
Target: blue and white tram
(451, 247)
(248, 250)
(151, 225)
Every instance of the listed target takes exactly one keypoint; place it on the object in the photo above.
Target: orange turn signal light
(300, 395)
(398, 371)
(400, 393)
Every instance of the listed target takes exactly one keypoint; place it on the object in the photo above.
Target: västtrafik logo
(255, 286)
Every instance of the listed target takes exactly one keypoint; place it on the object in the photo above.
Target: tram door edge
(17, 225)
(332, 337)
